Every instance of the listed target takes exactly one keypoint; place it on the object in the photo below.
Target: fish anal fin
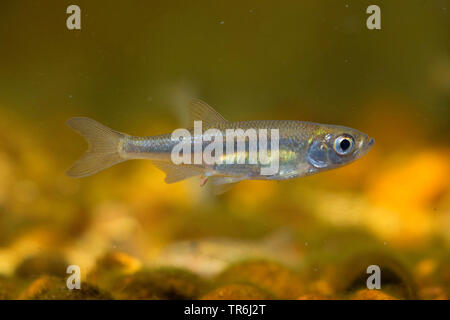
(221, 185)
(175, 173)
(199, 110)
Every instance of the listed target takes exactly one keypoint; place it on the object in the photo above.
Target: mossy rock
(160, 284)
(110, 267)
(315, 296)
(395, 278)
(237, 292)
(46, 263)
(433, 293)
(366, 294)
(267, 275)
(54, 288)
(443, 275)
(116, 260)
(10, 287)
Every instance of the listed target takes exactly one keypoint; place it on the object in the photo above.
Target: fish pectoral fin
(221, 185)
(199, 110)
(175, 173)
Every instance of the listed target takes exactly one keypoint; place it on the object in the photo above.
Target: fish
(303, 148)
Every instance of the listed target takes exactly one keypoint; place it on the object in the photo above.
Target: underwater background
(134, 65)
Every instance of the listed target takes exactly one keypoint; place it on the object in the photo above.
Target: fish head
(332, 146)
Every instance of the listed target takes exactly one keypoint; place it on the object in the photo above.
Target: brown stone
(367, 294)
(43, 263)
(237, 292)
(53, 288)
(268, 275)
(163, 283)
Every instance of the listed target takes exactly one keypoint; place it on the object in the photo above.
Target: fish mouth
(366, 143)
(364, 146)
(369, 142)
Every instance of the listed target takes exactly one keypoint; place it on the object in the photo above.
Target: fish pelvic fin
(199, 110)
(103, 147)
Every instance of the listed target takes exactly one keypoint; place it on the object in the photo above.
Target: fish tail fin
(103, 151)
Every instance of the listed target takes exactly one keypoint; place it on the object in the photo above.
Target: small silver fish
(304, 148)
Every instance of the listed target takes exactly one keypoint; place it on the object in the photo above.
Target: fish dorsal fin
(175, 173)
(199, 110)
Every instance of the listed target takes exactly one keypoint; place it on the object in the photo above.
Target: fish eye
(343, 144)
